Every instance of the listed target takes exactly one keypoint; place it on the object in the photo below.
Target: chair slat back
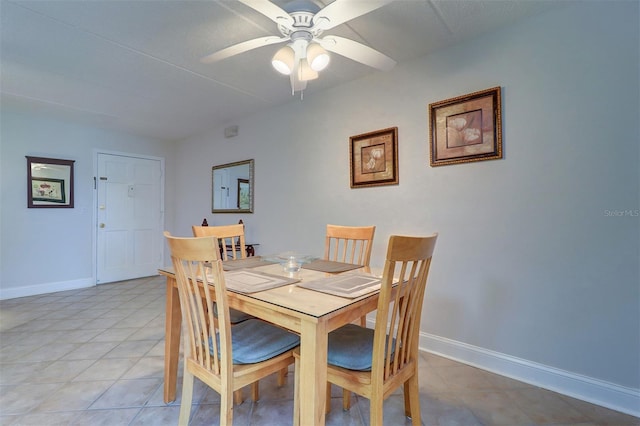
(399, 308)
(197, 291)
(349, 244)
(230, 236)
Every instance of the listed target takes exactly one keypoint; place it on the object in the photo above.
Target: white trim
(595, 391)
(35, 289)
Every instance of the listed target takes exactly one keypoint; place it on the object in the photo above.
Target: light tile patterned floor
(95, 357)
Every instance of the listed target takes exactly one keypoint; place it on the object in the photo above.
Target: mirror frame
(251, 187)
(63, 181)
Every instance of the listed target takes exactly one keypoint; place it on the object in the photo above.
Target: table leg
(313, 372)
(173, 322)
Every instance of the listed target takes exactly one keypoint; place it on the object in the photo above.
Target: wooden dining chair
(231, 238)
(375, 362)
(227, 235)
(225, 358)
(349, 244)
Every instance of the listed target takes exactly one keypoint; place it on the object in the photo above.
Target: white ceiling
(134, 65)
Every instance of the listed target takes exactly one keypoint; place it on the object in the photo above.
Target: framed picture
(49, 183)
(467, 128)
(243, 193)
(46, 189)
(374, 158)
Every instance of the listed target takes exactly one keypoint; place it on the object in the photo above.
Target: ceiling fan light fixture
(284, 60)
(317, 56)
(305, 72)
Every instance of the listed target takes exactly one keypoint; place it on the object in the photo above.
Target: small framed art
(374, 158)
(49, 183)
(466, 128)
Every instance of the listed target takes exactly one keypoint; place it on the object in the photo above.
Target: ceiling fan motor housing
(302, 6)
(302, 22)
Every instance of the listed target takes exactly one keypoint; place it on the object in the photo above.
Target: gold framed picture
(466, 128)
(374, 158)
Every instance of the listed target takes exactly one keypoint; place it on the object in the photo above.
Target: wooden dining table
(309, 313)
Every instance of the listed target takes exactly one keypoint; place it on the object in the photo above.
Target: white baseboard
(599, 392)
(35, 289)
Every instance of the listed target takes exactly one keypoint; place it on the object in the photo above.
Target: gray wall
(535, 275)
(31, 258)
(531, 270)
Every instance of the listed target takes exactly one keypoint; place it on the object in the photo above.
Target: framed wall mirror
(232, 187)
(49, 183)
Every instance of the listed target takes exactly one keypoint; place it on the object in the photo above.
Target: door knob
(102, 225)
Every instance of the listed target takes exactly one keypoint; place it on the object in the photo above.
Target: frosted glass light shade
(318, 57)
(305, 73)
(283, 60)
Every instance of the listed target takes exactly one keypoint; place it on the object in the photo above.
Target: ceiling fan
(301, 23)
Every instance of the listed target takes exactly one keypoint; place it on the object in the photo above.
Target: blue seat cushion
(235, 316)
(351, 347)
(255, 340)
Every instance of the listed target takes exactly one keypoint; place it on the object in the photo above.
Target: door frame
(94, 233)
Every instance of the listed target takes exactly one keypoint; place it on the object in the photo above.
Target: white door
(129, 217)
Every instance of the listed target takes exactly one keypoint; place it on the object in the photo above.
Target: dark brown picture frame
(49, 183)
(373, 158)
(466, 128)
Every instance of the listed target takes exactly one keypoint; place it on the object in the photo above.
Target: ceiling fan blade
(241, 48)
(358, 52)
(271, 11)
(341, 11)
